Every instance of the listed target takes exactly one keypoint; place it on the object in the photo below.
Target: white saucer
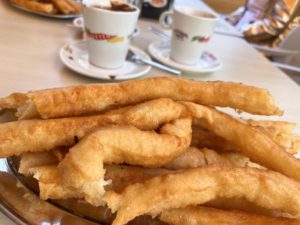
(208, 62)
(75, 57)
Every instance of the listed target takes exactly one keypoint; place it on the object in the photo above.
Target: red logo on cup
(104, 37)
(200, 39)
(99, 36)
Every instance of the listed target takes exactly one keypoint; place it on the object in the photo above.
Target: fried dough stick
(122, 175)
(41, 135)
(204, 215)
(30, 160)
(50, 185)
(13, 101)
(63, 6)
(35, 159)
(202, 138)
(77, 7)
(82, 168)
(194, 157)
(67, 6)
(290, 142)
(280, 126)
(205, 138)
(35, 6)
(93, 98)
(280, 132)
(250, 141)
(241, 204)
(201, 185)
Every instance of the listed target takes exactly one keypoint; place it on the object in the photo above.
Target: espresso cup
(108, 34)
(191, 31)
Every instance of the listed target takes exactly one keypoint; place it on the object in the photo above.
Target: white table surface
(29, 59)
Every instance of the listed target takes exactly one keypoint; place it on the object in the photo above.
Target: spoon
(133, 57)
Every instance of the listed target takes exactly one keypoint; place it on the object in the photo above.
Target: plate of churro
(61, 9)
(153, 151)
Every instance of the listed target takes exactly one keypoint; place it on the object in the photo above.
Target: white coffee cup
(108, 34)
(191, 30)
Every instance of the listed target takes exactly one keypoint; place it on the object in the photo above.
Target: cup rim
(137, 10)
(180, 9)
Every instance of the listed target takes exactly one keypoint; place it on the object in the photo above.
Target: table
(29, 60)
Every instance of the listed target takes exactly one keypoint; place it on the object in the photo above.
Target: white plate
(56, 16)
(75, 57)
(208, 62)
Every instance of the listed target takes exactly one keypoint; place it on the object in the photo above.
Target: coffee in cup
(191, 31)
(108, 30)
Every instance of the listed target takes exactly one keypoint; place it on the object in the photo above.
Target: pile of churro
(50, 7)
(160, 148)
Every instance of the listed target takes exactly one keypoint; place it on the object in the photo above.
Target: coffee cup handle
(164, 17)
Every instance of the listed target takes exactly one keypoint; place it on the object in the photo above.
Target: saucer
(208, 62)
(75, 57)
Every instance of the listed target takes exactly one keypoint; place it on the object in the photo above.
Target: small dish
(75, 57)
(208, 62)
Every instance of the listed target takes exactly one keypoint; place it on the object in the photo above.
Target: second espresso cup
(108, 34)
(191, 31)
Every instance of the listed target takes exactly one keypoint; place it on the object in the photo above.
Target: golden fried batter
(82, 168)
(50, 185)
(258, 146)
(122, 175)
(35, 159)
(209, 216)
(201, 185)
(42, 135)
(93, 98)
(194, 157)
(204, 138)
(281, 126)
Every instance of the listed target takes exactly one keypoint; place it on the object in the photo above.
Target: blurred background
(271, 26)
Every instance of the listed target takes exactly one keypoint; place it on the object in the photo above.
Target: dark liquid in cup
(117, 6)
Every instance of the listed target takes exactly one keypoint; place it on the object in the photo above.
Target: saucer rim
(183, 67)
(82, 71)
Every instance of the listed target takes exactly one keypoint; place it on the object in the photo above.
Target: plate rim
(80, 72)
(181, 66)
